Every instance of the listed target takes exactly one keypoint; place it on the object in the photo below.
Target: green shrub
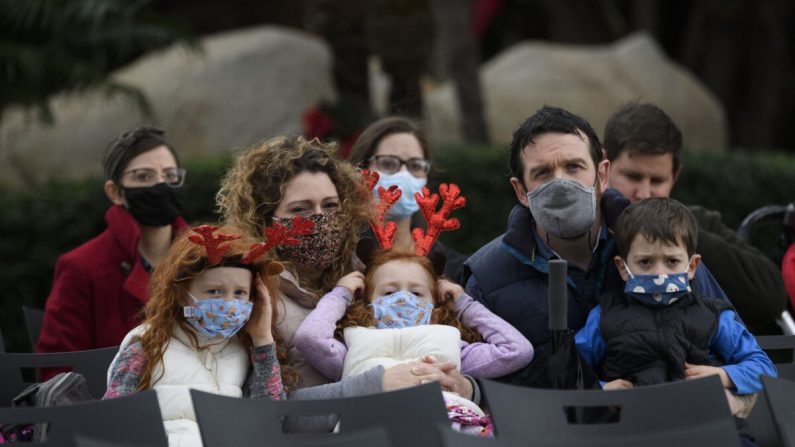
(38, 224)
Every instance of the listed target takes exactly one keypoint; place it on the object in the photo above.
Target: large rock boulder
(591, 81)
(253, 84)
(243, 86)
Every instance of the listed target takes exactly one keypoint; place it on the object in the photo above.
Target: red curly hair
(184, 261)
(360, 313)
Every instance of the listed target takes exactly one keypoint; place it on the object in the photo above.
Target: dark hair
(547, 120)
(657, 218)
(645, 129)
(130, 145)
(368, 141)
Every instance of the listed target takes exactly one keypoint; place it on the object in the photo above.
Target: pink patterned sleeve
(264, 380)
(125, 372)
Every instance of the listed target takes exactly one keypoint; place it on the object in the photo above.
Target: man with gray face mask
(565, 211)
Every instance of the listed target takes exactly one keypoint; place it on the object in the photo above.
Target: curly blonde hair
(254, 186)
(184, 261)
(360, 313)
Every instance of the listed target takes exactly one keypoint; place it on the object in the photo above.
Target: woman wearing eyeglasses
(100, 287)
(396, 148)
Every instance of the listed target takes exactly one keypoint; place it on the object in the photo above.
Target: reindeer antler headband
(275, 235)
(384, 231)
(438, 221)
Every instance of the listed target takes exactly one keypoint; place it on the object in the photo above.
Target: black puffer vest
(648, 345)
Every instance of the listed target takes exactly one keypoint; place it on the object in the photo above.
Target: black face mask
(155, 206)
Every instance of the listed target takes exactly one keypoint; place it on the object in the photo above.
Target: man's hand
(740, 405)
(699, 371)
(618, 384)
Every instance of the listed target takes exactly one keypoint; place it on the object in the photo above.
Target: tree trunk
(459, 53)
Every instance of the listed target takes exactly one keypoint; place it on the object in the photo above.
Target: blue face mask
(401, 309)
(217, 317)
(409, 185)
(657, 290)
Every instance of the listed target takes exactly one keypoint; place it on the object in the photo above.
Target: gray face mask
(564, 208)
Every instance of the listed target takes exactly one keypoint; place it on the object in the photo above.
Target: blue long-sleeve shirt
(744, 361)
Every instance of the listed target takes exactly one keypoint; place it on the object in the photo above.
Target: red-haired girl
(401, 312)
(208, 326)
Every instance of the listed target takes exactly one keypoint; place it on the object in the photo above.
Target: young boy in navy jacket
(657, 330)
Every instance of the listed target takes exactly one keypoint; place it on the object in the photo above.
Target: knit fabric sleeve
(504, 349)
(126, 371)
(264, 379)
(315, 337)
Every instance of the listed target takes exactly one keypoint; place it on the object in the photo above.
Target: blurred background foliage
(38, 224)
(49, 47)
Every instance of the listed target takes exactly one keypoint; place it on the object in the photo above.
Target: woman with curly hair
(207, 326)
(399, 310)
(285, 177)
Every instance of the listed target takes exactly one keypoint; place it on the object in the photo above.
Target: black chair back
(451, 438)
(133, 420)
(408, 416)
(780, 397)
(686, 413)
(34, 318)
(2, 341)
(93, 365)
(780, 349)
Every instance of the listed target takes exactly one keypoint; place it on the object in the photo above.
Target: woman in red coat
(100, 287)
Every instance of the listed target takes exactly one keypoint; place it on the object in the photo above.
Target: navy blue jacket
(509, 274)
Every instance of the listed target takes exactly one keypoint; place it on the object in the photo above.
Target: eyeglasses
(390, 164)
(173, 177)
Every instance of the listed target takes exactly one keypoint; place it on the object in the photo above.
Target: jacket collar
(289, 287)
(127, 233)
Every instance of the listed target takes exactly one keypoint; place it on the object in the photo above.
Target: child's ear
(622, 271)
(366, 249)
(439, 262)
(695, 260)
(274, 268)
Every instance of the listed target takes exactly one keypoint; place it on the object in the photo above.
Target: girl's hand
(698, 371)
(450, 292)
(259, 324)
(353, 281)
(618, 384)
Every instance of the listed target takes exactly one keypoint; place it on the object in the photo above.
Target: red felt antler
(384, 231)
(212, 243)
(278, 234)
(437, 220)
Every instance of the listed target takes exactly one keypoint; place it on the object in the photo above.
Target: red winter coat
(98, 290)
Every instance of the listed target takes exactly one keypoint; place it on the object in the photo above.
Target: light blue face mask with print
(657, 290)
(217, 317)
(409, 185)
(401, 309)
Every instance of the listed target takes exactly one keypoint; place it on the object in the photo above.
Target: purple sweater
(504, 350)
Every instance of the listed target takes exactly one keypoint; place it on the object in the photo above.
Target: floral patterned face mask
(319, 249)
(217, 317)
